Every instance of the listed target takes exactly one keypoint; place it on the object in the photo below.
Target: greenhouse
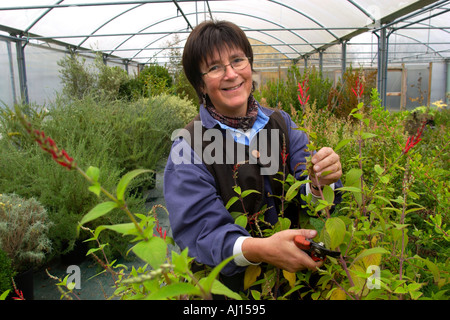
(99, 87)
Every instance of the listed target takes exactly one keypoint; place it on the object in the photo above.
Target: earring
(204, 99)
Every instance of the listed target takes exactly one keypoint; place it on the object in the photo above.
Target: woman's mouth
(233, 88)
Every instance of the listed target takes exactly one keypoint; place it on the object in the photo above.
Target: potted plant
(24, 225)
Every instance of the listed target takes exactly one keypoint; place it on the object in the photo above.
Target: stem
(402, 220)
(110, 196)
(361, 167)
(327, 210)
(344, 266)
(348, 294)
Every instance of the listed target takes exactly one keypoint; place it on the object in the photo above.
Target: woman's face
(228, 93)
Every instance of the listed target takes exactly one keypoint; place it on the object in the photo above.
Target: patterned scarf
(244, 123)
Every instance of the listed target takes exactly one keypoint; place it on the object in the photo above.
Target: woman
(198, 182)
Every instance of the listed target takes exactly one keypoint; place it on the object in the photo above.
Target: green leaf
(125, 180)
(282, 224)
(370, 251)
(207, 283)
(378, 169)
(93, 173)
(342, 144)
(335, 227)
(328, 194)
(220, 289)
(231, 202)
(4, 294)
(351, 189)
(241, 221)
(152, 251)
(247, 192)
(98, 211)
(180, 261)
(95, 188)
(122, 228)
(367, 135)
(173, 290)
(293, 189)
(432, 267)
(352, 178)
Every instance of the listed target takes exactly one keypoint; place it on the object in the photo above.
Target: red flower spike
(358, 89)
(48, 145)
(414, 140)
(303, 89)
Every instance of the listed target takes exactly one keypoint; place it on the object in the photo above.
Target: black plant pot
(25, 282)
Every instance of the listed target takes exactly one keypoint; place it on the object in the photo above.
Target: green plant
(393, 219)
(6, 272)
(85, 126)
(77, 78)
(24, 226)
(168, 279)
(117, 136)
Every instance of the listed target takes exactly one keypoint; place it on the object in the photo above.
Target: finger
(321, 154)
(307, 233)
(330, 163)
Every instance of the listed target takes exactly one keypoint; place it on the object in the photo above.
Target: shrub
(118, 136)
(77, 78)
(6, 272)
(24, 226)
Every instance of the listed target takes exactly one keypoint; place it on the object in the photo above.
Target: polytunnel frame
(385, 30)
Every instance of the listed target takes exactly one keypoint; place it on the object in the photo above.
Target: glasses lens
(216, 72)
(239, 63)
(219, 70)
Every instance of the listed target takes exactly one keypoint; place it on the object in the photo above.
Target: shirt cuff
(239, 258)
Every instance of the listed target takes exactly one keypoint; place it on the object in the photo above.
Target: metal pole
(447, 86)
(344, 57)
(20, 51)
(382, 65)
(11, 71)
(321, 62)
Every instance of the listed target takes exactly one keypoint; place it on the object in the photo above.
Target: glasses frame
(224, 68)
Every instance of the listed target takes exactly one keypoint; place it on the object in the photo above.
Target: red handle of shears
(304, 244)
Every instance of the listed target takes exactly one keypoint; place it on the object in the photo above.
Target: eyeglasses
(218, 70)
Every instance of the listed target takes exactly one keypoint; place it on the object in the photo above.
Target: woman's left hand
(326, 167)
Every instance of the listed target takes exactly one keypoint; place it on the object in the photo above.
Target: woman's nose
(230, 72)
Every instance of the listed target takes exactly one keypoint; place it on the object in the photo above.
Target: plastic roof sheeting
(140, 30)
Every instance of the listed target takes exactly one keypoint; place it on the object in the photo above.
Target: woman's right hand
(280, 250)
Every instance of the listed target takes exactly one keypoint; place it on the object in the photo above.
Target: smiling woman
(217, 60)
(228, 82)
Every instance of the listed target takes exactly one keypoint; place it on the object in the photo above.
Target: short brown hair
(203, 42)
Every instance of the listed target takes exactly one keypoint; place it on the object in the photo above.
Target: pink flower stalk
(359, 88)
(160, 231)
(412, 141)
(18, 292)
(303, 88)
(47, 144)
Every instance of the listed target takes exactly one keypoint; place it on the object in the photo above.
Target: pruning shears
(316, 250)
